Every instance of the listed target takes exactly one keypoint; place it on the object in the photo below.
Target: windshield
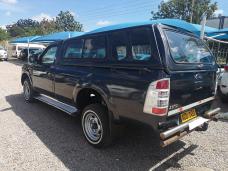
(187, 49)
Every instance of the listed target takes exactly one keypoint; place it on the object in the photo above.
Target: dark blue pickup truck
(151, 72)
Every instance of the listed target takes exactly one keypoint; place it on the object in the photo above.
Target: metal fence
(219, 50)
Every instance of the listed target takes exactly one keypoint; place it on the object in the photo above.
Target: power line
(110, 6)
(124, 7)
(115, 12)
(117, 15)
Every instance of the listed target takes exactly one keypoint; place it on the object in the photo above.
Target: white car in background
(3, 54)
(15, 48)
(223, 84)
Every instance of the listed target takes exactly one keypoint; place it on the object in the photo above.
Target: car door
(43, 71)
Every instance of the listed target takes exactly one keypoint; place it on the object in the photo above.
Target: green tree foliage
(47, 27)
(3, 35)
(183, 9)
(65, 22)
(23, 27)
(27, 27)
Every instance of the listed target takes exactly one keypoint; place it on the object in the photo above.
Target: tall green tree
(65, 22)
(47, 26)
(3, 35)
(23, 27)
(185, 9)
(27, 27)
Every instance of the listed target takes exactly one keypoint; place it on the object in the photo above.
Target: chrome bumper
(179, 131)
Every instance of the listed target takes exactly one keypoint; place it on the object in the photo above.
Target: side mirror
(34, 58)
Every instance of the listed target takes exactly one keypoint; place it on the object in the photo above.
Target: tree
(23, 27)
(184, 9)
(47, 26)
(27, 27)
(3, 35)
(65, 22)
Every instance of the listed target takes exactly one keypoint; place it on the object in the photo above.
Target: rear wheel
(27, 90)
(95, 125)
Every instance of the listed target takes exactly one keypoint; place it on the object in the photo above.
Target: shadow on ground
(136, 149)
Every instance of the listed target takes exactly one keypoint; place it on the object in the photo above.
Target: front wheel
(95, 125)
(27, 90)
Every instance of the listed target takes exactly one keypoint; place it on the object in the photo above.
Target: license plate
(188, 115)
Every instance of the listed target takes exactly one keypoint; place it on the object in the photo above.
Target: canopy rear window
(187, 49)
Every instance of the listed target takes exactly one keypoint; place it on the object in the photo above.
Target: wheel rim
(26, 90)
(92, 127)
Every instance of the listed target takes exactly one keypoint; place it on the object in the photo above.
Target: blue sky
(92, 14)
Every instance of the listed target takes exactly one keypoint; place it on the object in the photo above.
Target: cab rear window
(187, 49)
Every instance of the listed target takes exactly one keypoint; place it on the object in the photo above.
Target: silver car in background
(3, 54)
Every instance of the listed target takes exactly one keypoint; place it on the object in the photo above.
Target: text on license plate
(188, 115)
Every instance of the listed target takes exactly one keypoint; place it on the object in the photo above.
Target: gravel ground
(38, 137)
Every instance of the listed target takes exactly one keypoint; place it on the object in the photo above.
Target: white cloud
(8, 1)
(219, 11)
(74, 14)
(42, 16)
(8, 13)
(103, 23)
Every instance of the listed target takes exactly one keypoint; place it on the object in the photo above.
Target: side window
(49, 56)
(95, 47)
(74, 49)
(141, 47)
(118, 42)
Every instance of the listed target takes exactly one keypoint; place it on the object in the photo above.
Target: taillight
(157, 97)
(226, 68)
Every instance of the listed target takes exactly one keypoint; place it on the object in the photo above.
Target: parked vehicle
(3, 54)
(24, 52)
(223, 84)
(156, 74)
(16, 48)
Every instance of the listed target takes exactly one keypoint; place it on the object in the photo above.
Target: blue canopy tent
(46, 38)
(24, 39)
(56, 37)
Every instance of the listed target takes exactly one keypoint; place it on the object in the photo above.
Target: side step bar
(71, 110)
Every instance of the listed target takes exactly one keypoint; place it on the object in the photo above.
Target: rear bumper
(179, 131)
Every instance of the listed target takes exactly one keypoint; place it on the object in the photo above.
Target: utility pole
(193, 4)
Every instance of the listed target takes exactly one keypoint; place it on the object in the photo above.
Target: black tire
(97, 116)
(28, 91)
